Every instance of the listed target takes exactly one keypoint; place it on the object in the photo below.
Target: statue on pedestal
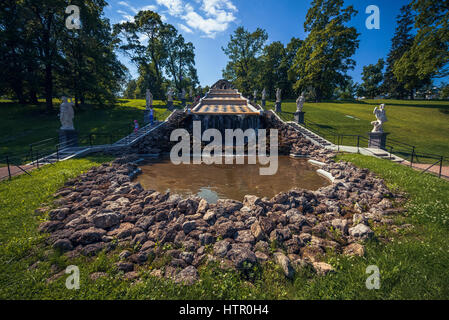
(67, 134)
(264, 96)
(183, 97)
(255, 95)
(381, 117)
(170, 94)
(170, 98)
(278, 95)
(300, 103)
(377, 137)
(278, 107)
(66, 114)
(149, 99)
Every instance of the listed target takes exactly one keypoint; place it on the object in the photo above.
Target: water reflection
(213, 182)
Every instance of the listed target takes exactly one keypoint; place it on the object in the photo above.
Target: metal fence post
(441, 166)
(413, 154)
(57, 152)
(9, 170)
(358, 144)
(37, 158)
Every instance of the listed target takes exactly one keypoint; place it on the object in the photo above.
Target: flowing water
(213, 182)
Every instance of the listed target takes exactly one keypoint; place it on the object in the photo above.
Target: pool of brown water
(213, 182)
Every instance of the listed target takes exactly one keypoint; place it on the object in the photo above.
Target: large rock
(106, 220)
(87, 236)
(187, 276)
(244, 236)
(221, 248)
(242, 257)
(225, 230)
(202, 206)
(361, 231)
(354, 249)
(63, 245)
(322, 268)
(250, 201)
(188, 226)
(284, 262)
(257, 231)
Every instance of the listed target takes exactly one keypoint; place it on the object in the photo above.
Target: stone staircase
(66, 153)
(316, 139)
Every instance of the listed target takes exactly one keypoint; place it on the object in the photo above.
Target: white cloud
(175, 7)
(134, 11)
(218, 15)
(210, 17)
(126, 4)
(185, 28)
(149, 7)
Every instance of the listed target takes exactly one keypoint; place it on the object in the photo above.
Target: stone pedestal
(299, 117)
(278, 107)
(169, 105)
(377, 140)
(264, 103)
(68, 138)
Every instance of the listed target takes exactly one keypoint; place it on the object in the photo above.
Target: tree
(400, 43)
(431, 44)
(243, 50)
(47, 24)
(165, 53)
(130, 90)
(180, 59)
(272, 74)
(149, 58)
(290, 54)
(428, 56)
(372, 77)
(322, 61)
(444, 91)
(90, 68)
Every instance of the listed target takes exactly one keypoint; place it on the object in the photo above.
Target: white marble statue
(170, 95)
(66, 114)
(255, 95)
(264, 94)
(300, 102)
(381, 117)
(183, 93)
(191, 92)
(149, 99)
(278, 95)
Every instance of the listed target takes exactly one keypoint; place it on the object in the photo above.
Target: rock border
(103, 209)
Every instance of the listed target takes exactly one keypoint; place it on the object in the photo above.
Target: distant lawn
(424, 124)
(21, 125)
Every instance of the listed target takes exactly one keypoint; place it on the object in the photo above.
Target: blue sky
(209, 23)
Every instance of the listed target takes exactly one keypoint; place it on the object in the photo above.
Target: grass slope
(424, 124)
(21, 125)
(413, 266)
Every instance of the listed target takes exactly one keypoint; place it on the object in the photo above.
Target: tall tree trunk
(48, 87)
(18, 90)
(33, 96)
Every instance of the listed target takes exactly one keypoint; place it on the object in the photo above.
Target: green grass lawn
(21, 125)
(412, 266)
(424, 124)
